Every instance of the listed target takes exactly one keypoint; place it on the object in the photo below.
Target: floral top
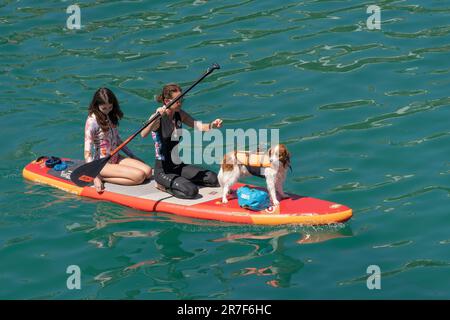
(102, 143)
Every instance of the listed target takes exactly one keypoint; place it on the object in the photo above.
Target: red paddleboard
(146, 197)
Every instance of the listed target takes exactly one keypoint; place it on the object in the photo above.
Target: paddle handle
(157, 115)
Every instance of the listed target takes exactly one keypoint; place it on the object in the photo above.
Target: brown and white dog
(272, 166)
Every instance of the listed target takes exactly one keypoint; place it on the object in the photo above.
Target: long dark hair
(105, 96)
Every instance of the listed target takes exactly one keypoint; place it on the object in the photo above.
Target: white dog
(272, 166)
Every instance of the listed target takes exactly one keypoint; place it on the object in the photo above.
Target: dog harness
(254, 162)
(253, 159)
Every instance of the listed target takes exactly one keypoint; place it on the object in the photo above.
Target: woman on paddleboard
(179, 179)
(102, 136)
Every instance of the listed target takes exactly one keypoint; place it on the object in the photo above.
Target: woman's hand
(155, 124)
(161, 110)
(87, 157)
(98, 183)
(216, 123)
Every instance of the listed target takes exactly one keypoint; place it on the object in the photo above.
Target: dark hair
(104, 96)
(167, 91)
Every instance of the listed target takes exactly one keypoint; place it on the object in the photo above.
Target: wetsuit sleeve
(89, 133)
(187, 119)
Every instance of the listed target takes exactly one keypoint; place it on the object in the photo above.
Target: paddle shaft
(157, 115)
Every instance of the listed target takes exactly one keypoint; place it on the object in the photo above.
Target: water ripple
(379, 121)
(346, 105)
(408, 266)
(418, 192)
(353, 186)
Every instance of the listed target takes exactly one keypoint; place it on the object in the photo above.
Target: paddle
(86, 173)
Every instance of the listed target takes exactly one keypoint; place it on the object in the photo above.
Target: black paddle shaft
(86, 173)
(157, 115)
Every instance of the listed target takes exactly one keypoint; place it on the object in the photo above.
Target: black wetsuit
(182, 179)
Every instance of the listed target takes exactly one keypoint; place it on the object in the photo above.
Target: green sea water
(364, 113)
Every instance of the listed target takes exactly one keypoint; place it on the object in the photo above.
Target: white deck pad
(148, 190)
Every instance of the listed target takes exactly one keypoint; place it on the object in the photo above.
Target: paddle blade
(85, 174)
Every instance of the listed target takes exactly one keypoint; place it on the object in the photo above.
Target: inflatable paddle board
(297, 209)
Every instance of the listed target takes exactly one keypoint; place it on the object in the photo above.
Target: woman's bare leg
(138, 165)
(127, 172)
(122, 174)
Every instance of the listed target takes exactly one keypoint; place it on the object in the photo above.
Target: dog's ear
(288, 158)
(285, 156)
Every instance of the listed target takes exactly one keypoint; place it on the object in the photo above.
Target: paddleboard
(297, 209)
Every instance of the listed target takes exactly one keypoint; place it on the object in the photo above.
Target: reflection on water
(167, 266)
(309, 235)
(272, 243)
